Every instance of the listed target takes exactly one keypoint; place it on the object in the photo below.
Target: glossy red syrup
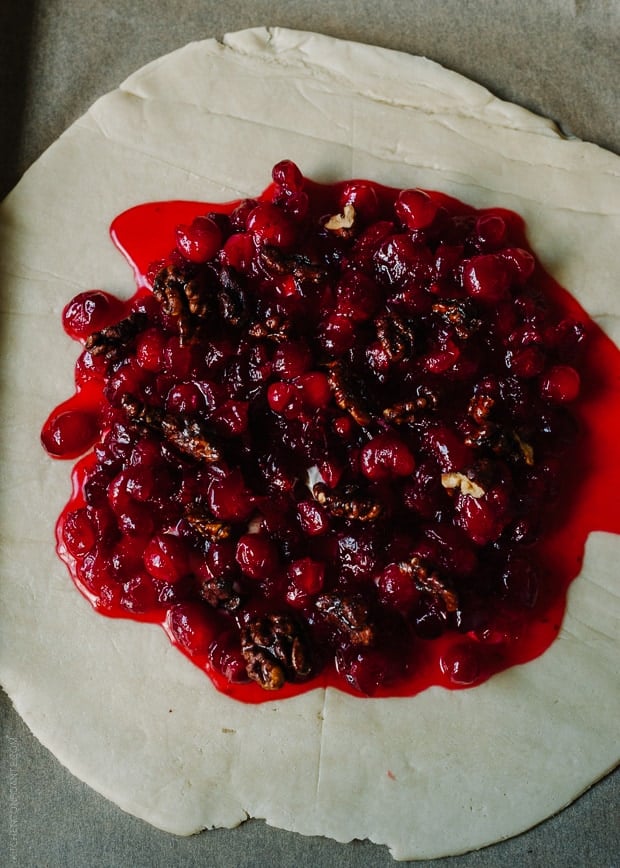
(456, 655)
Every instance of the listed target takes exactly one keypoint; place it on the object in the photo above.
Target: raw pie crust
(439, 774)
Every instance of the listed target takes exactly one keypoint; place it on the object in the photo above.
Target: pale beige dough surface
(434, 775)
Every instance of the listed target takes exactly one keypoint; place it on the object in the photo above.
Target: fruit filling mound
(322, 443)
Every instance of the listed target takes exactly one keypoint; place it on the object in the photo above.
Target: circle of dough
(438, 774)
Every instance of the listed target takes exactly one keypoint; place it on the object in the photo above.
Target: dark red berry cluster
(328, 436)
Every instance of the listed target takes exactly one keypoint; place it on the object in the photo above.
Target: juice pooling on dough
(341, 435)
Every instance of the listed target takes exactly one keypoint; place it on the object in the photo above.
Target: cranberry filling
(343, 435)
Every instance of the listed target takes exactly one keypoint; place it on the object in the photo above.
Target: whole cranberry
(69, 433)
(486, 278)
(200, 241)
(191, 626)
(415, 209)
(166, 557)
(257, 556)
(386, 456)
(90, 312)
(270, 225)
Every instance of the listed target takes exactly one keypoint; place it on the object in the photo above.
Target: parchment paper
(557, 58)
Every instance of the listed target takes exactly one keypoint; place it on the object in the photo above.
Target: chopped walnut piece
(232, 299)
(401, 413)
(462, 482)
(275, 651)
(345, 395)
(526, 449)
(348, 615)
(347, 502)
(458, 313)
(205, 524)
(342, 223)
(480, 407)
(220, 594)
(430, 582)
(181, 296)
(111, 341)
(395, 336)
(297, 265)
(187, 435)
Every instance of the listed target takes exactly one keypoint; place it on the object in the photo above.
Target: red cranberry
(521, 263)
(386, 456)
(286, 174)
(307, 575)
(200, 241)
(166, 558)
(315, 389)
(448, 449)
(312, 518)
(527, 362)
(291, 359)
(270, 225)
(483, 518)
(337, 334)
(225, 657)
(90, 312)
(78, 533)
(150, 350)
(491, 229)
(69, 433)
(486, 278)
(362, 197)
(560, 384)
(401, 260)
(238, 252)
(257, 556)
(185, 398)
(229, 499)
(191, 626)
(396, 588)
(358, 296)
(415, 209)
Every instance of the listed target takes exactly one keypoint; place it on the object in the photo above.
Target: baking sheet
(556, 58)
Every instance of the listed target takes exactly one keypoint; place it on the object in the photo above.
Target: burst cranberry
(402, 261)
(191, 626)
(78, 533)
(307, 575)
(270, 225)
(257, 556)
(386, 457)
(415, 209)
(166, 558)
(486, 278)
(312, 518)
(90, 312)
(560, 384)
(200, 241)
(226, 658)
(229, 498)
(238, 252)
(521, 263)
(358, 296)
(491, 229)
(69, 433)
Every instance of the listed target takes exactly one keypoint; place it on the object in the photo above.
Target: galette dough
(438, 774)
